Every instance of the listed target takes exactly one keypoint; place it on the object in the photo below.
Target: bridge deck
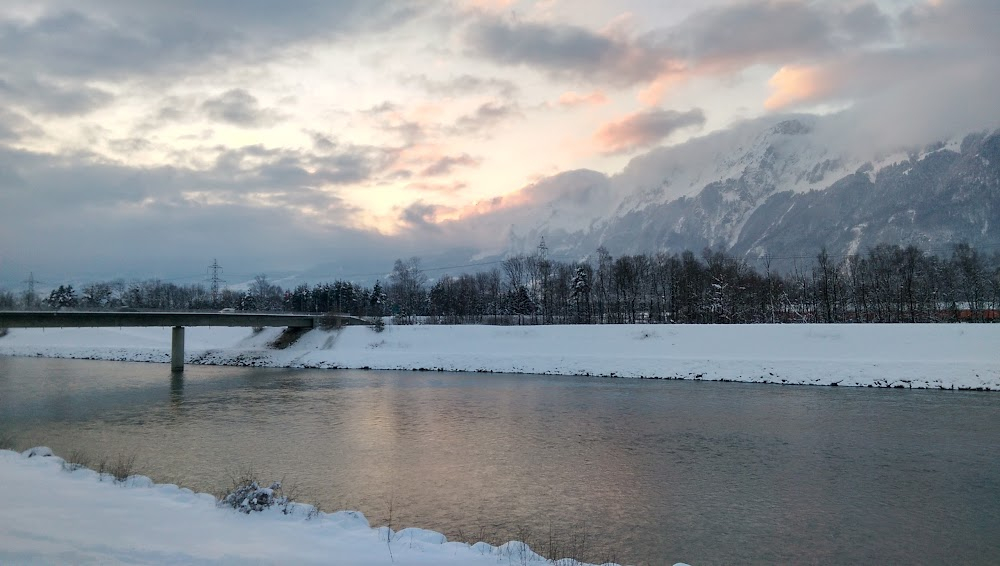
(76, 319)
(177, 320)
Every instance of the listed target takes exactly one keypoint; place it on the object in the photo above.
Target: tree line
(887, 284)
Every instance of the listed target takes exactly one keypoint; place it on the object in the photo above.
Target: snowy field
(938, 356)
(54, 516)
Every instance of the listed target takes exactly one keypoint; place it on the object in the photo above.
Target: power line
(31, 283)
(215, 269)
(30, 297)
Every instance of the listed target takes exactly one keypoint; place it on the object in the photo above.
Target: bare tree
(406, 289)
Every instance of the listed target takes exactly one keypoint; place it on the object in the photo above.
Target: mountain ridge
(777, 189)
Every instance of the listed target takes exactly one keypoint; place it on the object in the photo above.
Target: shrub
(246, 494)
(123, 467)
(120, 469)
(378, 325)
(252, 497)
(76, 460)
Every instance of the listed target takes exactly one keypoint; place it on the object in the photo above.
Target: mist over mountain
(779, 188)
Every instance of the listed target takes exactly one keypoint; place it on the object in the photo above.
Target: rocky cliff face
(941, 198)
(780, 192)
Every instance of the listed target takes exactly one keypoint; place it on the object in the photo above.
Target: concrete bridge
(177, 320)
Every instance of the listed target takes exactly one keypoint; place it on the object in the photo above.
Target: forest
(886, 284)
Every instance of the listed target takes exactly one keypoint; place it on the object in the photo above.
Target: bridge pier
(177, 349)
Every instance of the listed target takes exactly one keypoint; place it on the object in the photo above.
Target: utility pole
(29, 295)
(31, 283)
(215, 269)
(543, 267)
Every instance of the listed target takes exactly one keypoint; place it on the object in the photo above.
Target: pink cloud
(644, 128)
(571, 99)
(792, 85)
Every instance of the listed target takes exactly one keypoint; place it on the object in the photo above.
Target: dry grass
(7, 441)
(121, 468)
(76, 460)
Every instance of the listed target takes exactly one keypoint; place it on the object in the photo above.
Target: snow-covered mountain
(785, 187)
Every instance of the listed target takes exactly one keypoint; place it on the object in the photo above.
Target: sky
(149, 138)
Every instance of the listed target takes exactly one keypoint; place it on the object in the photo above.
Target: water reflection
(650, 471)
(176, 389)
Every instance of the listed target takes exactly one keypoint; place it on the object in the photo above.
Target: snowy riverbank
(939, 356)
(54, 516)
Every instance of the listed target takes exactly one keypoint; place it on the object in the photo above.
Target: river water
(643, 472)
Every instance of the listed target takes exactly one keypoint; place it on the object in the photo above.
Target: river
(638, 471)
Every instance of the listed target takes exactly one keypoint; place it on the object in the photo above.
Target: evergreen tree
(63, 297)
(377, 299)
(581, 293)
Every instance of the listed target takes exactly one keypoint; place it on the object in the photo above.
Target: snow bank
(54, 516)
(946, 356)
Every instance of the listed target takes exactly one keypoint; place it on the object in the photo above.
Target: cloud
(172, 109)
(41, 184)
(273, 207)
(256, 166)
(382, 108)
(47, 97)
(937, 81)
(14, 127)
(715, 41)
(562, 49)
(130, 145)
(961, 22)
(239, 108)
(644, 129)
(734, 36)
(724, 40)
(420, 215)
(857, 77)
(570, 99)
(864, 23)
(108, 40)
(793, 85)
(449, 188)
(486, 116)
(565, 201)
(463, 84)
(489, 5)
(74, 45)
(447, 164)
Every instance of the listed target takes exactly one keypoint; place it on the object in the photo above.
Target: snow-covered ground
(51, 515)
(946, 356)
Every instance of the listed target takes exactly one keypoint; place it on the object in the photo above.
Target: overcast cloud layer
(149, 138)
